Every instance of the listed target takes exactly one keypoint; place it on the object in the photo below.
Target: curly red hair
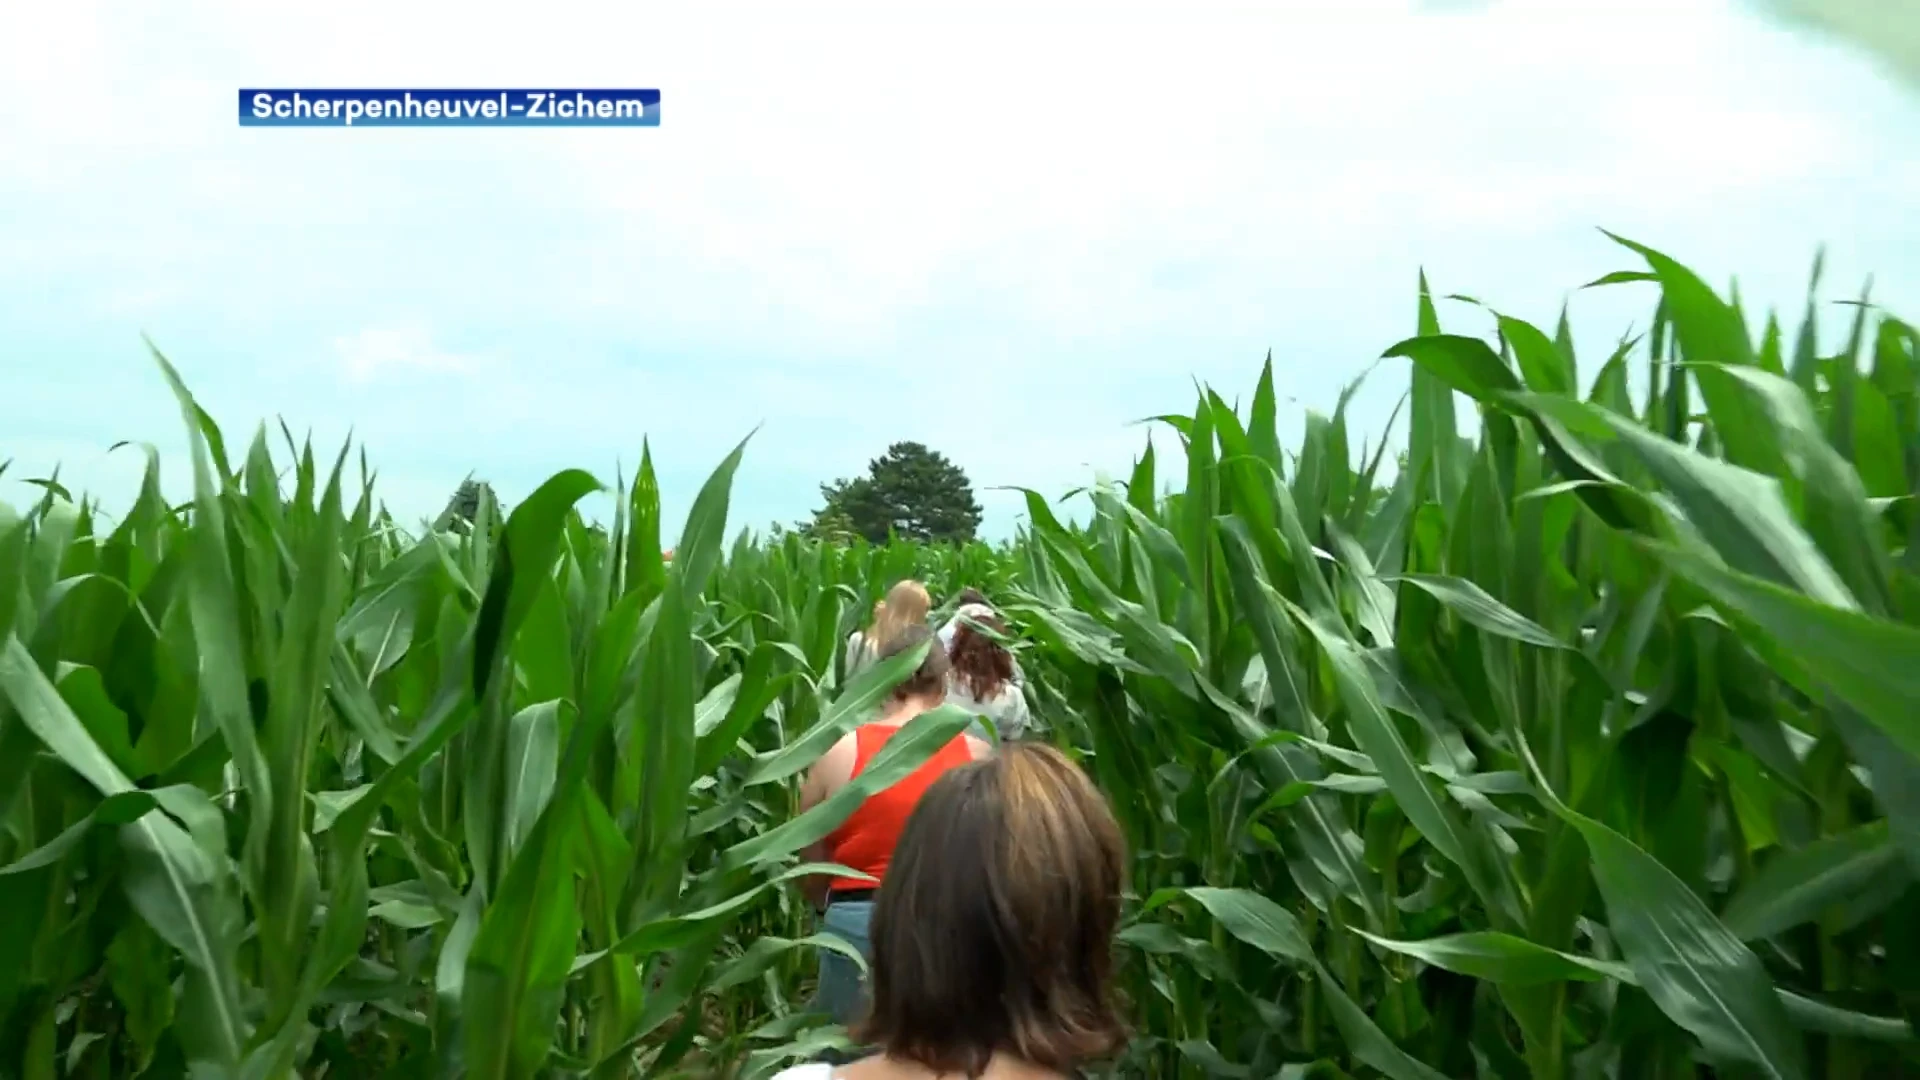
(981, 664)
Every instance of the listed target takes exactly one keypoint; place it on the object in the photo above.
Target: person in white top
(993, 930)
(982, 676)
(906, 604)
(973, 604)
(968, 598)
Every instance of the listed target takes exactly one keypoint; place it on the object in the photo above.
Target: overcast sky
(1007, 232)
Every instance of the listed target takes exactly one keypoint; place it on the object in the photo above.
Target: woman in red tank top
(866, 839)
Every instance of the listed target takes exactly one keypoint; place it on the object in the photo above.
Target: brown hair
(906, 604)
(930, 678)
(970, 595)
(993, 929)
(982, 664)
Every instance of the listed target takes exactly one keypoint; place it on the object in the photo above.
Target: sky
(1008, 231)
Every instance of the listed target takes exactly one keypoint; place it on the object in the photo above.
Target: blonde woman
(906, 604)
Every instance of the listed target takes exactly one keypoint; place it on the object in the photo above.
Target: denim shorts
(842, 993)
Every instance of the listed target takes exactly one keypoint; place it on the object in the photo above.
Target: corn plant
(1583, 748)
(289, 790)
(1580, 746)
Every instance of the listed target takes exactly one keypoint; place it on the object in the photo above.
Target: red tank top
(865, 841)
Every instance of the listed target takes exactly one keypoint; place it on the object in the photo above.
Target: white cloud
(376, 351)
(872, 221)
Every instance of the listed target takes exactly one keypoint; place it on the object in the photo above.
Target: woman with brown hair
(993, 934)
(982, 681)
(906, 604)
(969, 599)
(866, 840)
(973, 605)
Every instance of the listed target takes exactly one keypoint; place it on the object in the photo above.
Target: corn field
(1585, 745)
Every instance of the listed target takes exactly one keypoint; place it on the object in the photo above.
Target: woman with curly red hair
(983, 678)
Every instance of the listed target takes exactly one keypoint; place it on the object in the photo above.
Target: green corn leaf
(1504, 959)
(1797, 887)
(1697, 971)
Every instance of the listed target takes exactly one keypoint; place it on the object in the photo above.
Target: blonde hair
(907, 604)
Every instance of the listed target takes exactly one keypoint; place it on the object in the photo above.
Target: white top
(1007, 708)
(975, 611)
(805, 1072)
(860, 656)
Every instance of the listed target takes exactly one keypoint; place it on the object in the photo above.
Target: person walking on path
(974, 606)
(969, 598)
(865, 841)
(993, 932)
(906, 605)
(982, 679)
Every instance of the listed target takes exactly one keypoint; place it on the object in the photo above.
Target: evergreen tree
(912, 490)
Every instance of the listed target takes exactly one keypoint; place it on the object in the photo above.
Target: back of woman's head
(929, 680)
(981, 664)
(906, 604)
(993, 931)
(970, 595)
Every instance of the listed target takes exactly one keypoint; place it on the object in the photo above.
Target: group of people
(996, 872)
(983, 676)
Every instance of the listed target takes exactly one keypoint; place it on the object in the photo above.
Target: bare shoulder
(980, 748)
(835, 767)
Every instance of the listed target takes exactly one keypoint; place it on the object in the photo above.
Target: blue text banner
(518, 108)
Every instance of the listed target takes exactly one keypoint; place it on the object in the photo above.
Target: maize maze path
(1584, 746)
